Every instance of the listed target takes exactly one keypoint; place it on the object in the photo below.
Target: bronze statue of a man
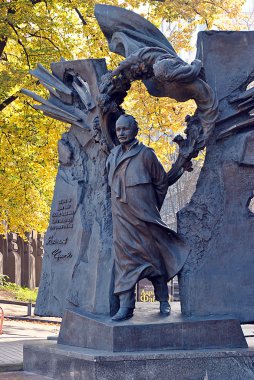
(144, 245)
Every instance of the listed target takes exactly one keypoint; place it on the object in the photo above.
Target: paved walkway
(20, 312)
(16, 333)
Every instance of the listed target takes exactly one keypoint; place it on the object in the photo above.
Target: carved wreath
(152, 59)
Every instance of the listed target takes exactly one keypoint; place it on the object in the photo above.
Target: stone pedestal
(67, 363)
(147, 331)
(146, 347)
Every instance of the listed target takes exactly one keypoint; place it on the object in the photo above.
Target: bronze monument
(144, 245)
(87, 95)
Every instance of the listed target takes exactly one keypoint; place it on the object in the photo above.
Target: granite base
(148, 330)
(146, 347)
(62, 362)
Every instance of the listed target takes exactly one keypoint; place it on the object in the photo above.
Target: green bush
(19, 293)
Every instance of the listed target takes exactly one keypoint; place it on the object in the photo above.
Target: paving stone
(17, 333)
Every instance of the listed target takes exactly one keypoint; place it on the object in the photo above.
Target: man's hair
(132, 120)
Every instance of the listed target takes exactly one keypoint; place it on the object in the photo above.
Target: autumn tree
(33, 31)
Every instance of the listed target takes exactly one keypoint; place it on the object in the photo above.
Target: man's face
(125, 131)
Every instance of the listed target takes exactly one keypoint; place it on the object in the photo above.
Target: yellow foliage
(44, 31)
(159, 119)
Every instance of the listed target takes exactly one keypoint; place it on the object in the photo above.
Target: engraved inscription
(51, 240)
(246, 171)
(63, 217)
(58, 255)
(62, 213)
(61, 220)
(62, 226)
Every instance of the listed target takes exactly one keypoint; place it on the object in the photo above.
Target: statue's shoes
(123, 314)
(165, 308)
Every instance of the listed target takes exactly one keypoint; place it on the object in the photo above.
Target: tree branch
(8, 101)
(21, 44)
(45, 38)
(3, 43)
(80, 16)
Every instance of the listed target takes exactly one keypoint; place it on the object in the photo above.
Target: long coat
(144, 245)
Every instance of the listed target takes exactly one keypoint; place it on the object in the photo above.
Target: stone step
(22, 375)
(149, 331)
(66, 363)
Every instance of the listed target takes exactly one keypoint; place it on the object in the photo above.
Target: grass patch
(18, 293)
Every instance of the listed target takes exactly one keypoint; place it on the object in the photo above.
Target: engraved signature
(58, 255)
